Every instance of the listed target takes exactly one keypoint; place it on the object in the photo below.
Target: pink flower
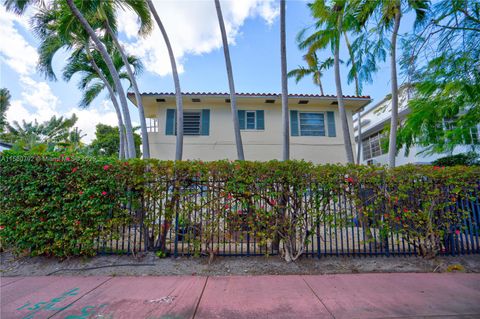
(2, 227)
(104, 193)
(272, 202)
(74, 169)
(77, 222)
(350, 180)
(42, 219)
(227, 206)
(229, 196)
(405, 210)
(457, 232)
(67, 159)
(80, 193)
(106, 167)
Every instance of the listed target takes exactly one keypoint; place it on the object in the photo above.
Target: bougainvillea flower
(74, 169)
(457, 232)
(80, 193)
(67, 159)
(42, 219)
(106, 167)
(2, 227)
(272, 202)
(350, 180)
(104, 193)
(405, 210)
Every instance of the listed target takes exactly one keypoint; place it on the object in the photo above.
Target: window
(195, 122)
(192, 122)
(250, 115)
(372, 146)
(152, 125)
(251, 120)
(312, 124)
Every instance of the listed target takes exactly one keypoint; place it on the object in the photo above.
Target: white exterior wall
(382, 113)
(261, 145)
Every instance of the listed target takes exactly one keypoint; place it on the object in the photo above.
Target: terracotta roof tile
(254, 94)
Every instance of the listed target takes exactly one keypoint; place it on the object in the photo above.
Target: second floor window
(191, 122)
(312, 124)
(195, 122)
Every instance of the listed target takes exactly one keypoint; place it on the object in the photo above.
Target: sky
(253, 31)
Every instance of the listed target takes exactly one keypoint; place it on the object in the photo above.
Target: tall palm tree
(330, 28)
(315, 68)
(95, 78)
(141, 10)
(176, 81)
(111, 68)
(283, 59)
(231, 84)
(389, 14)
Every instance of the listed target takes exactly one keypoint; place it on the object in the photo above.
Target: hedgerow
(63, 205)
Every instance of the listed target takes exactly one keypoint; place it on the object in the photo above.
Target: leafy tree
(4, 104)
(445, 111)
(468, 159)
(47, 135)
(106, 142)
(387, 14)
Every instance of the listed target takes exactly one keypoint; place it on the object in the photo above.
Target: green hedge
(60, 204)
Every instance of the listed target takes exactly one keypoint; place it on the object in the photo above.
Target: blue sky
(253, 29)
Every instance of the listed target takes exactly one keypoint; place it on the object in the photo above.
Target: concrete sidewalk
(328, 296)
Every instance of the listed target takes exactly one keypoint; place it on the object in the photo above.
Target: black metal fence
(200, 219)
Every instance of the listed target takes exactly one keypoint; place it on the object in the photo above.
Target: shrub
(470, 158)
(55, 205)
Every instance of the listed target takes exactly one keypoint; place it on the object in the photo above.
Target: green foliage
(4, 104)
(468, 159)
(59, 204)
(446, 109)
(55, 205)
(49, 135)
(106, 142)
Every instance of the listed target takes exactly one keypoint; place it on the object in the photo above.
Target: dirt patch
(150, 265)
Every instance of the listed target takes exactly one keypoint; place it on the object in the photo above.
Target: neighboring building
(377, 117)
(315, 128)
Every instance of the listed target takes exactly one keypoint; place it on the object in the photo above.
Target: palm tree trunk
(321, 86)
(338, 83)
(111, 92)
(176, 81)
(231, 84)
(392, 146)
(138, 97)
(113, 72)
(283, 57)
(359, 148)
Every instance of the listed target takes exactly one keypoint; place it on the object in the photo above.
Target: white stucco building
(377, 117)
(315, 126)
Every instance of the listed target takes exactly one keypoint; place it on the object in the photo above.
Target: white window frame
(254, 121)
(300, 124)
(152, 126)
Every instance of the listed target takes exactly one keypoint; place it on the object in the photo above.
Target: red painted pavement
(141, 297)
(398, 295)
(42, 297)
(342, 296)
(259, 297)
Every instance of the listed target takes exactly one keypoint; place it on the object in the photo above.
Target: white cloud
(192, 27)
(37, 102)
(15, 51)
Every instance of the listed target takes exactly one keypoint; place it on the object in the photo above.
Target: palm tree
(176, 81)
(142, 12)
(315, 68)
(233, 98)
(283, 59)
(111, 68)
(330, 27)
(95, 78)
(4, 104)
(389, 13)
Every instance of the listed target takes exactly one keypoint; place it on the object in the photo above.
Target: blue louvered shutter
(260, 115)
(331, 124)
(205, 122)
(294, 123)
(170, 124)
(241, 119)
